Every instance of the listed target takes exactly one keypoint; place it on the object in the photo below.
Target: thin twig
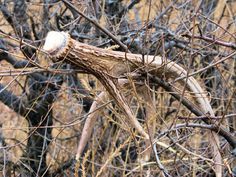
(94, 21)
(214, 41)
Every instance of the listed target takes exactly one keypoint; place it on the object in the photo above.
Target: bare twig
(212, 40)
(94, 21)
(207, 117)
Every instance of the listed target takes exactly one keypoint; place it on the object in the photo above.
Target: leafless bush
(45, 104)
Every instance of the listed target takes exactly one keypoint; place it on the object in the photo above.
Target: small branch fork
(111, 66)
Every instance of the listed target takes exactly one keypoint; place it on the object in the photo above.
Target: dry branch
(110, 66)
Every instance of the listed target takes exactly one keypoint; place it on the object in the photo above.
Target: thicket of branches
(44, 104)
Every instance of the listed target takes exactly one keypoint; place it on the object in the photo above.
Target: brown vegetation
(183, 56)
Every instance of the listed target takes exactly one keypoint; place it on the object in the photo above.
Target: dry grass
(112, 150)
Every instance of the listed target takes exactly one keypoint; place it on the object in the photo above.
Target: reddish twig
(212, 40)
